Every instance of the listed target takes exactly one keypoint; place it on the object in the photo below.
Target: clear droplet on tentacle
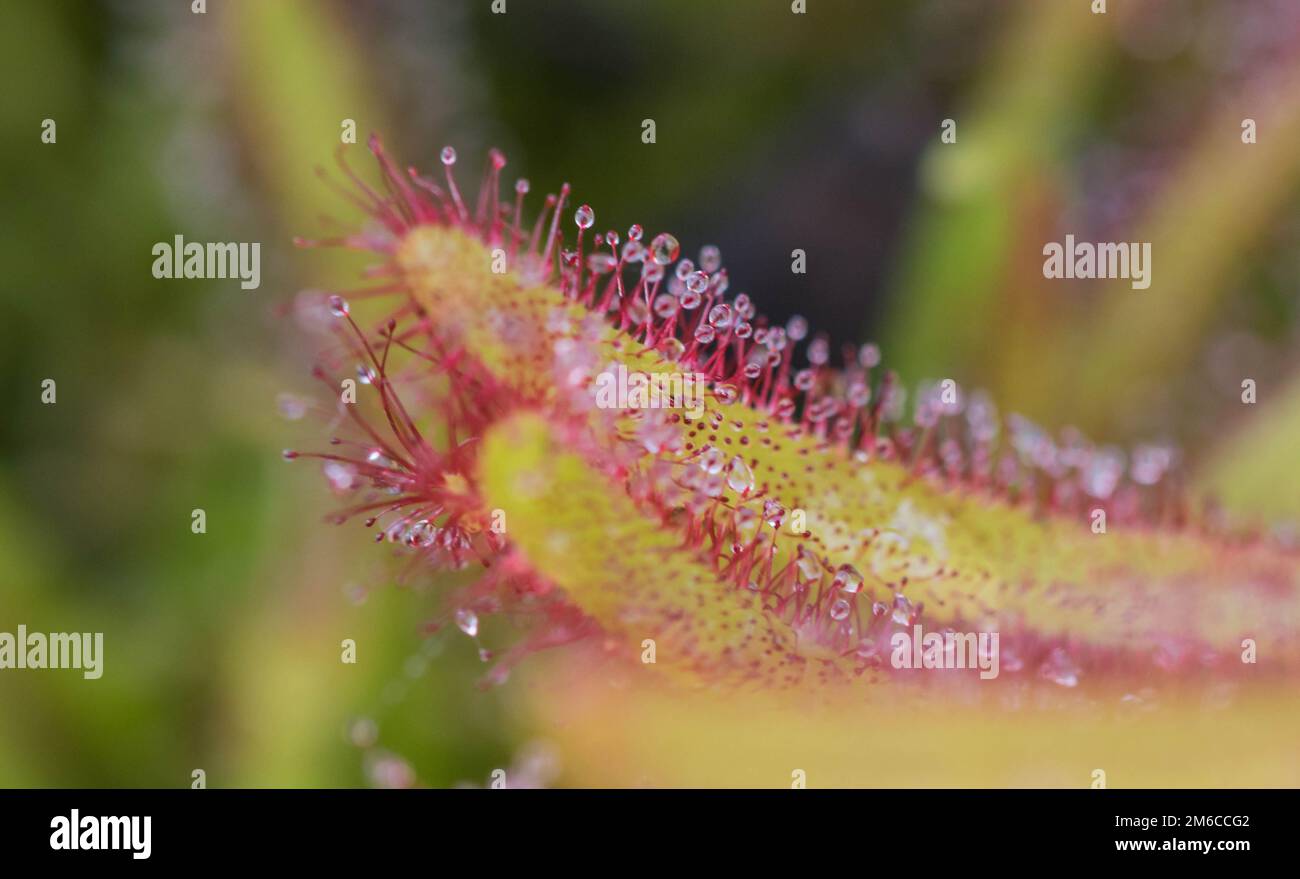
(712, 460)
(720, 315)
(467, 621)
(601, 263)
(847, 579)
(664, 249)
(1060, 669)
(292, 407)
(739, 476)
(665, 305)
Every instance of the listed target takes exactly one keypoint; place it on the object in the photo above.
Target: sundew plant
(748, 393)
(781, 535)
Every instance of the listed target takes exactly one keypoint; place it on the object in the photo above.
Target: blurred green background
(774, 132)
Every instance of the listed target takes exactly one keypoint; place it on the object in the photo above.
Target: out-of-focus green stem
(299, 76)
(950, 296)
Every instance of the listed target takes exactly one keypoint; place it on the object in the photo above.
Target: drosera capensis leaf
(780, 529)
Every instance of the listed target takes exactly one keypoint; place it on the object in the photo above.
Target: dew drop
(705, 333)
(773, 513)
(340, 476)
(744, 306)
(584, 216)
(637, 311)
(665, 305)
(338, 306)
(847, 579)
(522, 185)
(712, 460)
(720, 315)
(634, 232)
(390, 773)
(823, 409)
(796, 328)
(1060, 669)
(1150, 463)
(467, 621)
(840, 609)
(291, 407)
(1103, 473)
(739, 476)
(726, 393)
(448, 156)
(903, 612)
(710, 258)
(819, 351)
(664, 249)
(423, 533)
(601, 263)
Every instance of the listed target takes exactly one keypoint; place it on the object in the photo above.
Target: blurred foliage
(774, 132)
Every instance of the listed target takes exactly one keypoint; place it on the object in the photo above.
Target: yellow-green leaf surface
(567, 477)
